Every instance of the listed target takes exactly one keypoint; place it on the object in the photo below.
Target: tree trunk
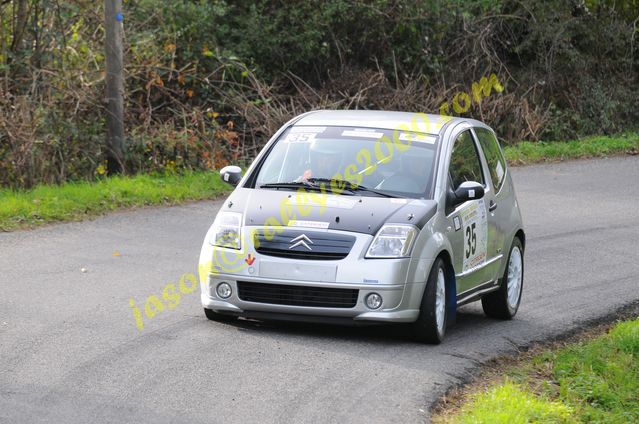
(21, 17)
(114, 86)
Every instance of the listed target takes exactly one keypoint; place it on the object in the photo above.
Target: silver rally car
(368, 216)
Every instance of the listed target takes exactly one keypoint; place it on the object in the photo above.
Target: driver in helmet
(325, 159)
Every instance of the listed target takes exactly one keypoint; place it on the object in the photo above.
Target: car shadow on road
(468, 321)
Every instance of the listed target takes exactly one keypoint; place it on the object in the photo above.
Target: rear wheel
(504, 303)
(430, 326)
(214, 316)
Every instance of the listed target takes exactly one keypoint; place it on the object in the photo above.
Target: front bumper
(399, 281)
(390, 311)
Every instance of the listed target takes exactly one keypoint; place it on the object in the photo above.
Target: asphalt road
(70, 350)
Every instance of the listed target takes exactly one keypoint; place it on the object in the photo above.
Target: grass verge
(80, 200)
(594, 380)
(528, 152)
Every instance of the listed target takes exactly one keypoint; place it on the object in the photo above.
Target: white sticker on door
(475, 234)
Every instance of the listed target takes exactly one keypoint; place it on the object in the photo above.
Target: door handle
(492, 206)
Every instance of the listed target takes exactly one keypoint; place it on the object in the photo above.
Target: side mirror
(468, 190)
(231, 174)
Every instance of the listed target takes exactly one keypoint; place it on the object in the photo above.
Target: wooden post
(114, 86)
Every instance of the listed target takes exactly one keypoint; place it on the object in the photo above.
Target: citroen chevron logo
(301, 240)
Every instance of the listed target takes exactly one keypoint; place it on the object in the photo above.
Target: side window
(494, 158)
(464, 161)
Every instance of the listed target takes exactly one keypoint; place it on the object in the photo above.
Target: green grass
(533, 152)
(75, 201)
(515, 405)
(593, 381)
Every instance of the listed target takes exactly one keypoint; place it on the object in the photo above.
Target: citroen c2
(368, 217)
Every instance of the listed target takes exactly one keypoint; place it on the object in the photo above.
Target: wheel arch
(522, 237)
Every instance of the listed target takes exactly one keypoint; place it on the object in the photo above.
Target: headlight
(226, 230)
(392, 241)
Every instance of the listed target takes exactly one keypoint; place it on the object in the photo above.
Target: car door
(468, 223)
(496, 198)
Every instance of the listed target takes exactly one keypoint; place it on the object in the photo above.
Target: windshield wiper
(324, 183)
(350, 186)
(291, 184)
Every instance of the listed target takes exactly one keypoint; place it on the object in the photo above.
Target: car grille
(316, 245)
(281, 294)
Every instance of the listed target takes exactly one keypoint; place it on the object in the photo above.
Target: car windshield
(370, 161)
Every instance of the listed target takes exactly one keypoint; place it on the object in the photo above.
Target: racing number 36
(471, 241)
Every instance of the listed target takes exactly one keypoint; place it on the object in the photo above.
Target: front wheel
(504, 303)
(430, 326)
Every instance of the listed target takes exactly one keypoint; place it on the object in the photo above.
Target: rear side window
(464, 161)
(494, 158)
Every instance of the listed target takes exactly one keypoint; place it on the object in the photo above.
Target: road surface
(70, 350)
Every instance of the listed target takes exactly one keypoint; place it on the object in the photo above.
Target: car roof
(425, 123)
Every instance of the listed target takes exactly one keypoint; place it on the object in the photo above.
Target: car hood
(337, 212)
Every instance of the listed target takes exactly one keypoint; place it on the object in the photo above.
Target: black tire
(496, 304)
(214, 316)
(425, 329)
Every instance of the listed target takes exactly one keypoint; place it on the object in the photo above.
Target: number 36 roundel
(475, 229)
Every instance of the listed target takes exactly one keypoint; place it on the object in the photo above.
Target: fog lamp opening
(224, 290)
(373, 301)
